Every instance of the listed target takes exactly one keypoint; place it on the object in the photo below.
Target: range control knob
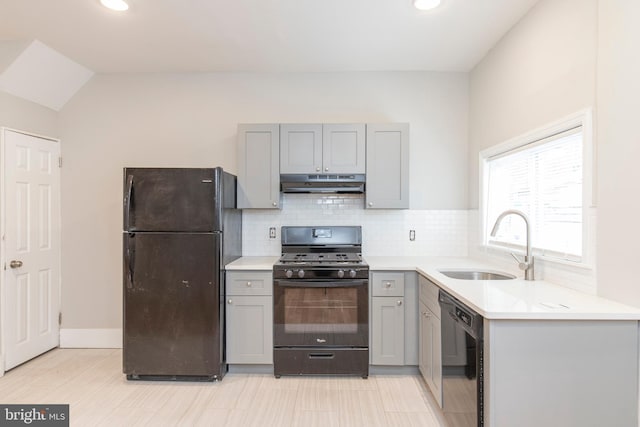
(352, 273)
(340, 274)
(301, 273)
(289, 274)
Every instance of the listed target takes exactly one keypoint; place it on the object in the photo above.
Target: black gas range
(321, 303)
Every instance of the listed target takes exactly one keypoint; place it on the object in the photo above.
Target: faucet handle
(522, 263)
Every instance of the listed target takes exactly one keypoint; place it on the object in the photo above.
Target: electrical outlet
(412, 235)
(272, 232)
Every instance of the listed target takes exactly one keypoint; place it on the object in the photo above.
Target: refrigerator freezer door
(173, 324)
(172, 199)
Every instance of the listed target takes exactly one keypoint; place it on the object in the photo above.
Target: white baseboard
(90, 338)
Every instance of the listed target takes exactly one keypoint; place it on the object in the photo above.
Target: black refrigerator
(181, 227)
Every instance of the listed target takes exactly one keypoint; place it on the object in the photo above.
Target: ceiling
(264, 35)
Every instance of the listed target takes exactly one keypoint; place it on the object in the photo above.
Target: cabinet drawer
(429, 294)
(387, 284)
(249, 283)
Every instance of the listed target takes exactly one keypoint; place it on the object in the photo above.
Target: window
(542, 175)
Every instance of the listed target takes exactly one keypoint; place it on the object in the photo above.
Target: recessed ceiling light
(426, 4)
(118, 5)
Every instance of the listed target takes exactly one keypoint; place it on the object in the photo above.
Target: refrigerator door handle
(127, 202)
(131, 259)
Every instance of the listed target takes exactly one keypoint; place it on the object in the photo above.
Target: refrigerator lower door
(173, 325)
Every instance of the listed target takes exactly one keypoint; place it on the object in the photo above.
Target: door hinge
(60, 161)
(59, 318)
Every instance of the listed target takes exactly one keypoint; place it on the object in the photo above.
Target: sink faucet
(527, 263)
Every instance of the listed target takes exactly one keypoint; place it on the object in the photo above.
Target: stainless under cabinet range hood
(338, 183)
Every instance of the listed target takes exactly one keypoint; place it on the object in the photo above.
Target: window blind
(544, 180)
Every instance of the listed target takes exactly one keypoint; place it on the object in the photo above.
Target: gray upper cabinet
(258, 166)
(300, 148)
(326, 149)
(387, 166)
(343, 148)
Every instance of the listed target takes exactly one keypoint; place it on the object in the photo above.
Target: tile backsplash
(385, 232)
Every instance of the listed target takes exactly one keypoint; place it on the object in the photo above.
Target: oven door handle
(320, 284)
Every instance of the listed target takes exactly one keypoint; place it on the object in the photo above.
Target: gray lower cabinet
(258, 149)
(387, 166)
(430, 337)
(394, 318)
(249, 317)
(387, 344)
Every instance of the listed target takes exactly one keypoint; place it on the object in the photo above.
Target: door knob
(15, 264)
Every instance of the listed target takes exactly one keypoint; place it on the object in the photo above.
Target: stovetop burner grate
(319, 258)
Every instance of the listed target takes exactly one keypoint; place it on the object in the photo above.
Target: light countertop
(509, 299)
(493, 299)
(253, 263)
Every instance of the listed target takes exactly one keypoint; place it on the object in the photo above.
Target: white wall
(190, 120)
(541, 71)
(16, 113)
(619, 150)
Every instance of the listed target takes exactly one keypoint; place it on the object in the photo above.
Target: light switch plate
(272, 232)
(412, 235)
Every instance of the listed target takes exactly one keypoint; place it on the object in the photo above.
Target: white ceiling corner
(34, 71)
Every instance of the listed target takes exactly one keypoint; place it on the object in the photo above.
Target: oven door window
(320, 316)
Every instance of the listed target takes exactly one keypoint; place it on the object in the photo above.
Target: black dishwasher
(462, 363)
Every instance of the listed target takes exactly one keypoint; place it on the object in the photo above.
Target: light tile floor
(92, 383)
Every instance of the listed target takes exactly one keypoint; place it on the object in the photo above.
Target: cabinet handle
(326, 169)
(425, 314)
(370, 203)
(274, 204)
(387, 284)
(317, 169)
(399, 302)
(229, 301)
(248, 284)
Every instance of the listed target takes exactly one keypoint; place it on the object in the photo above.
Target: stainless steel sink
(477, 275)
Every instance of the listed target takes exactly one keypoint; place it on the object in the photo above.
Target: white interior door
(31, 246)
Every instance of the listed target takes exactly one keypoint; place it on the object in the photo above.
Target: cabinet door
(425, 359)
(411, 319)
(387, 166)
(436, 358)
(250, 329)
(258, 166)
(300, 149)
(343, 148)
(430, 348)
(387, 343)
